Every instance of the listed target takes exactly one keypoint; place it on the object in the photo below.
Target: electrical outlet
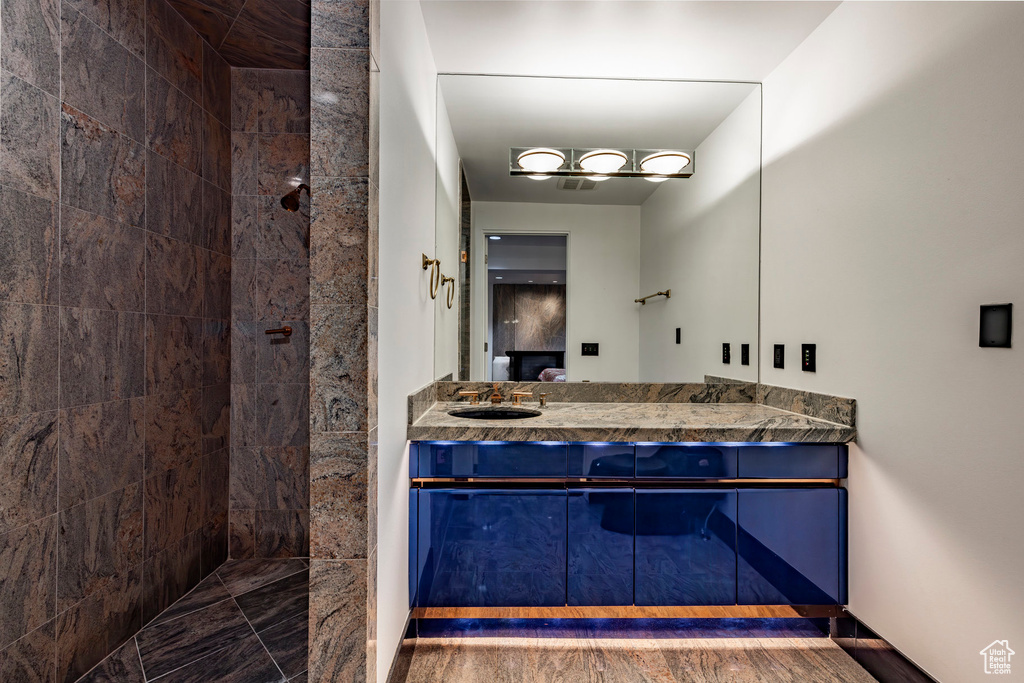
(807, 357)
(744, 354)
(679, 335)
(780, 356)
(589, 349)
(726, 353)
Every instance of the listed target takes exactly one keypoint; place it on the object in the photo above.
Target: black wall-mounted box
(996, 326)
(726, 353)
(779, 357)
(808, 357)
(589, 349)
(744, 354)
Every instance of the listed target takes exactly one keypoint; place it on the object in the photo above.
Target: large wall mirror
(547, 270)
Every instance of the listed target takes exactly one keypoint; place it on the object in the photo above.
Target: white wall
(603, 280)
(892, 208)
(699, 238)
(446, 320)
(406, 331)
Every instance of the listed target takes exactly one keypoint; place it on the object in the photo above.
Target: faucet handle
(474, 394)
(518, 396)
(544, 399)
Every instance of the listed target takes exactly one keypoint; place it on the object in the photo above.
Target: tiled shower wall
(270, 289)
(114, 324)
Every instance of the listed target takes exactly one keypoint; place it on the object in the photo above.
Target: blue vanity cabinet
(602, 460)
(685, 547)
(791, 546)
(789, 461)
(600, 547)
(491, 459)
(492, 547)
(685, 461)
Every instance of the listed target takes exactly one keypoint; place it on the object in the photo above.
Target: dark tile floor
(245, 623)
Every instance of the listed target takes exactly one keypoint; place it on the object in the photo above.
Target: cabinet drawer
(602, 460)
(690, 461)
(825, 461)
(498, 459)
(600, 547)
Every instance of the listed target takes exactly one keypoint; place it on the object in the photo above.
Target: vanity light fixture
(599, 178)
(655, 178)
(665, 163)
(541, 160)
(603, 161)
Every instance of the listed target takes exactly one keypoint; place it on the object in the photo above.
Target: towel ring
(450, 281)
(435, 274)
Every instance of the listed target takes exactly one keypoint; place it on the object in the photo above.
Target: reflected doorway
(526, 307)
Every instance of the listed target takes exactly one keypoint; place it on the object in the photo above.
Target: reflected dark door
(491, 548)
(685, 547)
(600, 547)
(791, 546)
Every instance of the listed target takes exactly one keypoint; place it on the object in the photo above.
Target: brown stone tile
(282, 289)
(121, 666)
(270, 478)
(173, 200)
(102, 449)
(244, 167)
(373, 248)
(282, 415)
(28, 468)
(242, 576)
(174, 49)
(244, 337)
(101, 77)
(372, 377)
(337, 620)
(101, 170)
(248, 45)
(211, 24)
(30, 35)
(340, 96)
(174, 277)
(243, 289)
(243, 417)
(216, 85)
(288, 642)
(217, 152)
(282, 234)
(28, 248)
(95, 627)
(174, 349)
(173, 502)
(283, 162)
(245, 93)
(284, 102)
(216, 352)
(245, 661)
(241, 534)
(284, 359)
(175, 125)
(98, 542)
(338, 362)
(217, 285)
(216, 477)
(171, 574)
(276, 602)
(216, 219)
(31, 659)
(122, 19)
(339, 242)
(28, 358)
(29, 151)
(244, 222)
(216, 416)
(215, 544)
(337, 496)
(282, 533)
(101, 356)
(341, 23)
(207, 592)
(173, 430)
(102, 262)
(372, 468)
(289, 19)
(28, 555)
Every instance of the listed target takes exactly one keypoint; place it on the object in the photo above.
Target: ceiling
(734, 41)
(259, 34)
(490, 114)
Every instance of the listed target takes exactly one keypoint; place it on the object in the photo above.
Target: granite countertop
(663, 422)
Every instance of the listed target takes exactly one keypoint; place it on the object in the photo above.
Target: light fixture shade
(603, 161)
(541, 160)
(667, 162)
(655, 178)
(599, 178)
(538, 176)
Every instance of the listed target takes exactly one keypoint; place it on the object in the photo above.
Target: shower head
(290, 201)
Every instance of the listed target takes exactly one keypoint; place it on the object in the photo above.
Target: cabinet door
(791, 546)
(600, 547)
(492, 548)
(685, 547)
(491, 459)
(689, 461)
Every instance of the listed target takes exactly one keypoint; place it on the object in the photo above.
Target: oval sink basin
(494, 413)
